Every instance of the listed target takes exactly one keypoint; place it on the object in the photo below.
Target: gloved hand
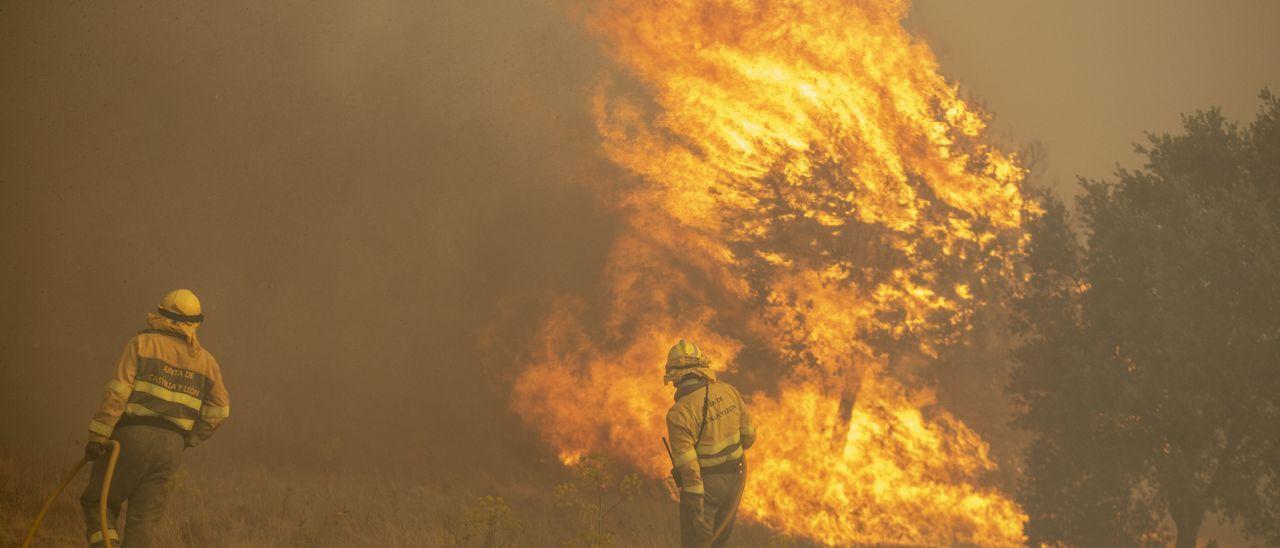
(94, 449)
(693, 526)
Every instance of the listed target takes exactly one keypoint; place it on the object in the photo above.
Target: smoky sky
(358, 193)
(377, 201)
(1087, 78)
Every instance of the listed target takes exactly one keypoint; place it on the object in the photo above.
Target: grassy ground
(215, 504)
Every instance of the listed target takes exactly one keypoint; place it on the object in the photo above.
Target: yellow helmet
(686, 359)
(682, 354)
(181, 305)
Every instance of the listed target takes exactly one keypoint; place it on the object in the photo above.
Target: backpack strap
(706, 399)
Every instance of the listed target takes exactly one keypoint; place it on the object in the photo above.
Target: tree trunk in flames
(805, 185)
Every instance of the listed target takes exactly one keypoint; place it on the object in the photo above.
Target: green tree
(1150, 370)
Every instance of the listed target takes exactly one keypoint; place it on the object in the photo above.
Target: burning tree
(809, 200)
(1150, 372)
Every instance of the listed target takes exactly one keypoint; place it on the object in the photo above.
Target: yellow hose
(106, 489)
(102, 501)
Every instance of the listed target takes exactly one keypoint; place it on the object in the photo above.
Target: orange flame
(811, 200)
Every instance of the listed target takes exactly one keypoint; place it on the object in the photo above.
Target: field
(216, 504)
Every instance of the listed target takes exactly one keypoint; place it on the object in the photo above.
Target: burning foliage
(810, 201)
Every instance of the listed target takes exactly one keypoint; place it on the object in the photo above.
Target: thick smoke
(356, 193)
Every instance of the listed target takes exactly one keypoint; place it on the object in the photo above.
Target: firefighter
(165, 395)
(709, 429)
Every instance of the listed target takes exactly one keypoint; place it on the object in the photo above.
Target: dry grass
(215, 504)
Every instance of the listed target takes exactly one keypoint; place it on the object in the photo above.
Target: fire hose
(102, 500)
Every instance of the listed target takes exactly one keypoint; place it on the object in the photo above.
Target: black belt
(158, 422)
(731, 467)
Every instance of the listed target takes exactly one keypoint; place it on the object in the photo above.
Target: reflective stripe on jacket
(725, 434)
(158, 376)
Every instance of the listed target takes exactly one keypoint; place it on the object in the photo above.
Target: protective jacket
(709, 429)
(701, 445)
(166, 379)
